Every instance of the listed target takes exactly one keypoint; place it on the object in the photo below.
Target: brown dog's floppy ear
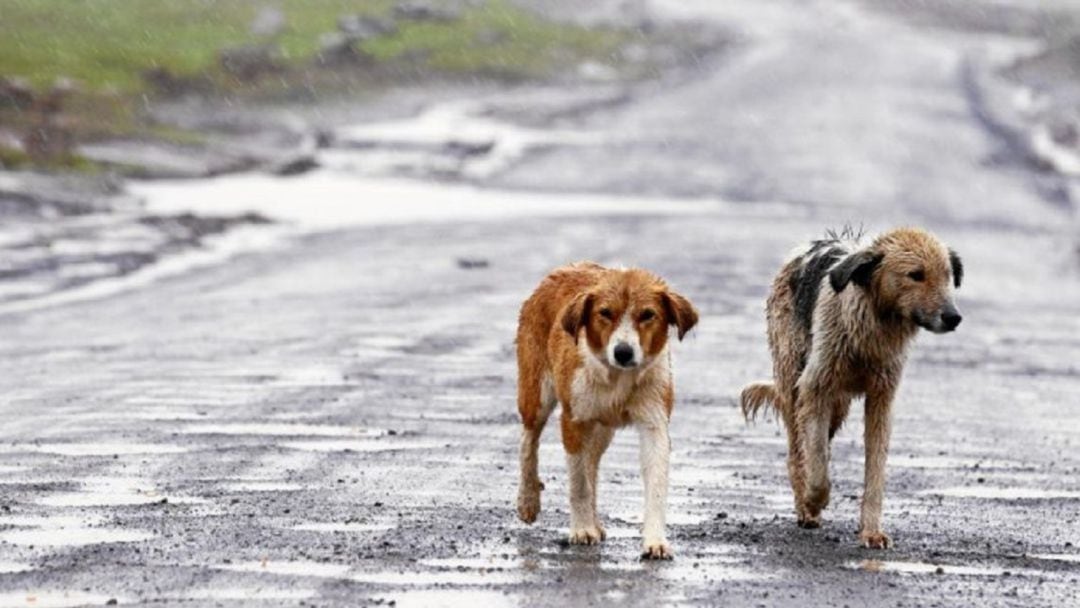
(576, 314)
(856, 268)
(680, 312)
(957, 267)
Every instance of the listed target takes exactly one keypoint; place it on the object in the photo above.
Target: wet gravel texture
(334, 423)
(337, 424)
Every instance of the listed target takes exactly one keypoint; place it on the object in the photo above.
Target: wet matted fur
(595, 340)
(841, 315)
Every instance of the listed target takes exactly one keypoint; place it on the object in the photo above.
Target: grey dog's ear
(957, 268)
(856, 268)
(576, 314)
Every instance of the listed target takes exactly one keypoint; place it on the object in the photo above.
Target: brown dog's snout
(624, 354)
(950, 317)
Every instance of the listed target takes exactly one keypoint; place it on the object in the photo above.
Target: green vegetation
(119, 53)
(498, 39)
(106, 45)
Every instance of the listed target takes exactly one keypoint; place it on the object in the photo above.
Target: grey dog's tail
(757, 396)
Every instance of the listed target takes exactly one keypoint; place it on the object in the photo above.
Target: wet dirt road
(334, 424)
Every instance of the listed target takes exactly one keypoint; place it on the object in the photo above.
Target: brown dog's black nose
(624, 354)
(951, 319)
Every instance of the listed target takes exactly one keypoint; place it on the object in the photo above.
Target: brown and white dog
(840, 317)
(595, 340)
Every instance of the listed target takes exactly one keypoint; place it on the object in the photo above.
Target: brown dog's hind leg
(535, 404)
(813, 416)
(794, 459)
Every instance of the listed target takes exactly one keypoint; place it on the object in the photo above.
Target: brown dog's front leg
(655, 459)
(877, 432)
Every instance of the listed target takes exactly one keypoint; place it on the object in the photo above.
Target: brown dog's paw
(657, 549)
(589, 535)
(528, 506)
(806, 520)
(817, 498)
(875, 540)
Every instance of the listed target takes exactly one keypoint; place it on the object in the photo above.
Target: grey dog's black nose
(951, 319)
(624, 353)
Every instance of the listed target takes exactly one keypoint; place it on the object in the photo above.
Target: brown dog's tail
(757, 396)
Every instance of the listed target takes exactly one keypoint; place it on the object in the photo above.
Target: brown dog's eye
(646, 315)
(606, 313)
(917, 275)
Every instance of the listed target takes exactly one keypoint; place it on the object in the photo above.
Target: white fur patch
(624, 333)
(600, 392)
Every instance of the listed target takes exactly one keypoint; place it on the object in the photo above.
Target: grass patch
(107, 44)
(498, 38)
(106, 47)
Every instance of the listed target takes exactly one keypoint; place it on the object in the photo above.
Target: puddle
(622, 531)
(343, 527)
(341, 571)
(982, 491)
(281, 430)
(874, 565)
(427, 579)
(73, 537)
(449, 599)
(162, 416)
(436, 416)
(187, 399)
(673, 519)
(106, 492)
(13, 567)
(241, 593)
(65, 531)
(54, 599)
(262, 486)
(357, 446)
(311, 376)
(97, 449)
(472, 563)
(316, 569)
(710, 571)
(52, 521)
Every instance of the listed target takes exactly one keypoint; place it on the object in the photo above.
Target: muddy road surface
(331, 420)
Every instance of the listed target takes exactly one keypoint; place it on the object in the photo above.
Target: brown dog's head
(909, 274)
(626, 317)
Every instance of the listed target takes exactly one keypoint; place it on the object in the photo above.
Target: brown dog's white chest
(618, 397)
